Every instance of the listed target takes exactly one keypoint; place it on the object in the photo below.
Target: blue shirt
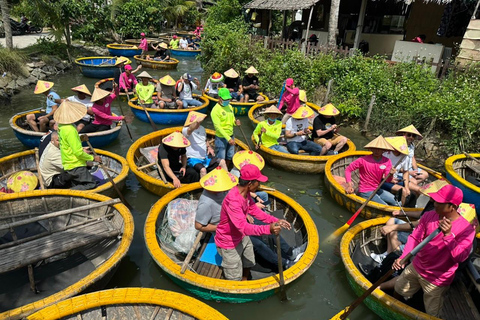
(52, 96)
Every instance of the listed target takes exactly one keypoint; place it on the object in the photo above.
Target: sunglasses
(411, 135)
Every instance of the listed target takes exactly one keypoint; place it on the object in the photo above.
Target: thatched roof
(280, 4)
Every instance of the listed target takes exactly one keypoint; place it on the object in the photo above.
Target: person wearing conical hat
(411, 134)
(82, 96)
(167, 95)
(372, 169)
(270, 130)
(297, 131)
(200, 154)
(161, 52)
(145, 90)
(127, 81)
(173, 159)
(325, 130)
(102, 104)
(250, 86)
(41, 121)
(290, 98)
(232, 83)
(185, 88)
(214, 83)
(74, 158)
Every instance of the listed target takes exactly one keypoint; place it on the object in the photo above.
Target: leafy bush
(138, 16)
(12, 61)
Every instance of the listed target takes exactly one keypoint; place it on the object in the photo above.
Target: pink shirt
(233, 225)
(439, 259)
(371, 172)
(290, 97)
(127, 82)
(103, 114)
(143, 44)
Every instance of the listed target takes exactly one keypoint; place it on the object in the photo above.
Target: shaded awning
(280, 4)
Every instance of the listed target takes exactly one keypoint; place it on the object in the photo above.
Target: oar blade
(340, 315)
(337, 233)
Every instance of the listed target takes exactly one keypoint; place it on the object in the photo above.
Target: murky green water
(319, 294)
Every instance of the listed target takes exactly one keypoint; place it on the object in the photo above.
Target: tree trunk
(6, 23)
(333, 23)
(68, 36)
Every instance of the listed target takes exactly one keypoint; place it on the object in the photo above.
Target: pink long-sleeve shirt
(439, 259)
(290, 97)
(233, 225)
(103, 114)
(127, 82)
(143, 44)
(371, 172)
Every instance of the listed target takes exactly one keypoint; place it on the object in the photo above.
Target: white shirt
(186, 92)
(198, 143)
(86, 102)
(411, 153)
(183, 43)
(50, 163)
(394, 159)
(294, 126)
(212, 88)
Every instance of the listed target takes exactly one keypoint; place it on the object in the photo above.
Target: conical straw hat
(433, 187)
(329, 110)
(302, 95)
(22, 181)
(120, 60)
(244, 157)
(163, 45)
(176, 140)
(231, 73)
(399, 144)
(167, 80)
(302, 113)
(410, 129)
(251, 70)
(99, 94)
(194, 116)
(218, 180)
(69, 112)
(43, 86)
(83, 89)
(216, 77)
(379, 143)
(467, 210)
(272, 110)
(144, 74)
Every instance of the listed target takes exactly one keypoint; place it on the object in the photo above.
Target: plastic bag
(181, 222)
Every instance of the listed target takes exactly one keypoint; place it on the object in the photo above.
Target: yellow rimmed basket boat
(239, 108)
(336, 166)
(122, 49)
(356, 246)
(170, 64)
(129, 303)
(207, 281)
(56, 244)
(148, 176)
(25, 161)
(150, 41)
(107, 84)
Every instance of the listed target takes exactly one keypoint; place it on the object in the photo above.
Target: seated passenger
(127, 80)
(102, 102)
(296, 131)
(185, 88)
(51, 167)
(290, 98)
(214, 83)
(41, 121)
(269, 130)
(161, 52)
(174, 42)
(145, 90)
(232, 83)
(411, 134)
(250, 86)
(83, 96)
(183, 43)
(166, 94)
(325, 128)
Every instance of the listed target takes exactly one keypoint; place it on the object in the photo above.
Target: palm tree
(333, 23)
(175, 9)
(6, 23)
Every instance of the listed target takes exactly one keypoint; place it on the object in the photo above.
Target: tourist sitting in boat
(268, 132)
(185, 90)
(223, 119)
(128, 80)
(167, 95)
(83, 96)
(372, 168)
(232, 83)
(41, 121)
(250, 86)
(200, 155)
(143, 44)
(433, 268)
(411, 134)
(231, 238)
(183, 43)
(117, 72)
(51, 166)
(45, 139)
(174, 42)
(192, 45)
(214, 83)
(173, 159)
(161, 53)
(290, 99)
(145, 90)
(296, 132)
(325, 128)
(74, 157)
(102, 103)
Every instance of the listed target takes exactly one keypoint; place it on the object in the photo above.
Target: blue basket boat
(97, 67)
(125, 50)
(185, 53)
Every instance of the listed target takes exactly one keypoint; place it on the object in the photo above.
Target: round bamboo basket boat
(122, 49)
(239, 108)
(171, 64)
(212, 285)
(107, 84)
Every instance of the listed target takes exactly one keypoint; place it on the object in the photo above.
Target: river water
(319, 294)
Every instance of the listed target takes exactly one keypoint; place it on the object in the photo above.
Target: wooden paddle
(123, 114)
(154, 127)
(283, 291)
(191, 252)
(259, 141)
(245, 137)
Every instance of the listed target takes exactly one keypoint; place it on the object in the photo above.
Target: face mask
(272, 119)
(225, 103)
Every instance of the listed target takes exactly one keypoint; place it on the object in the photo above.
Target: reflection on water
(319, 294)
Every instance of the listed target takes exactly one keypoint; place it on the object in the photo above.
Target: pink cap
(289, 82)
(142, 34)
(174, 36)
(448, 194)
(128, 67)
(251, 172)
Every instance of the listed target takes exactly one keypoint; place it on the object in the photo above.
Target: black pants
(191, 176)
(81, 179)
(61, 181)
(94, 128)
(215, 162)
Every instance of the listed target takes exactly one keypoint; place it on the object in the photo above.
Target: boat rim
(270, 102)
(78, 62)
(449, 168)
(171, 111)
(183, 50)
(176, 61)
(122, 46)
(236, 103)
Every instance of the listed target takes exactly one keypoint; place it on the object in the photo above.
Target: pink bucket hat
(251, 172)
(289, 82)
(448, 194)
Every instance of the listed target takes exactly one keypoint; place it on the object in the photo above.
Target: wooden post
(308, 29)
(369, 112)
(284, 24)
(361, 19)
(329, 87)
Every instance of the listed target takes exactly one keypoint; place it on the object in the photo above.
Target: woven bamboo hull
(169, 65)
(97, 67)
(150, 41)
(125, 50)
(228, 290)
(185, 53)
(353, 202)
(240, 109)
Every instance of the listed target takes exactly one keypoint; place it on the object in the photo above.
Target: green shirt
(71, 148)
(270, 137)
(223, 120)
(174, 43)
(145, 92)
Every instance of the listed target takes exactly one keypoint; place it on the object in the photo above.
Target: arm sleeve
(257, 131)
(289, 126)
(134, 80)
(416, 236)
(258, 213)
(103, 115)
(460, 245)
(237, 217)
(76, 146)
(122, 81)
(217, 123)
(352, 167)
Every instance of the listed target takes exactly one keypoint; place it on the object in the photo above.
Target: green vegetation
(11, 61)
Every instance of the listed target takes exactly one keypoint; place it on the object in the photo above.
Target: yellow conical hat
(69, 112)
(22, 181)
(99, 94)
(433, 187)
(302, 113)
(379, 143)
(244, 157)
(467, 211)
(194, 116)
(218, 180)
(231, 73)
(163, 45)
(121, 60)
(167, 80)
(251, 70)
(329, 110)
(83, 89)
(411, 129)
(302, 95)
(399, 144)
(176, 140)
(272, 110)
(43, 86)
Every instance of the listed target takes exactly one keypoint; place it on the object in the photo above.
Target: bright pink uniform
(127, 82)
(103, 114)
(290, 97)
(233, 225)
(439, 259)
(371, 172)
(143, 44)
